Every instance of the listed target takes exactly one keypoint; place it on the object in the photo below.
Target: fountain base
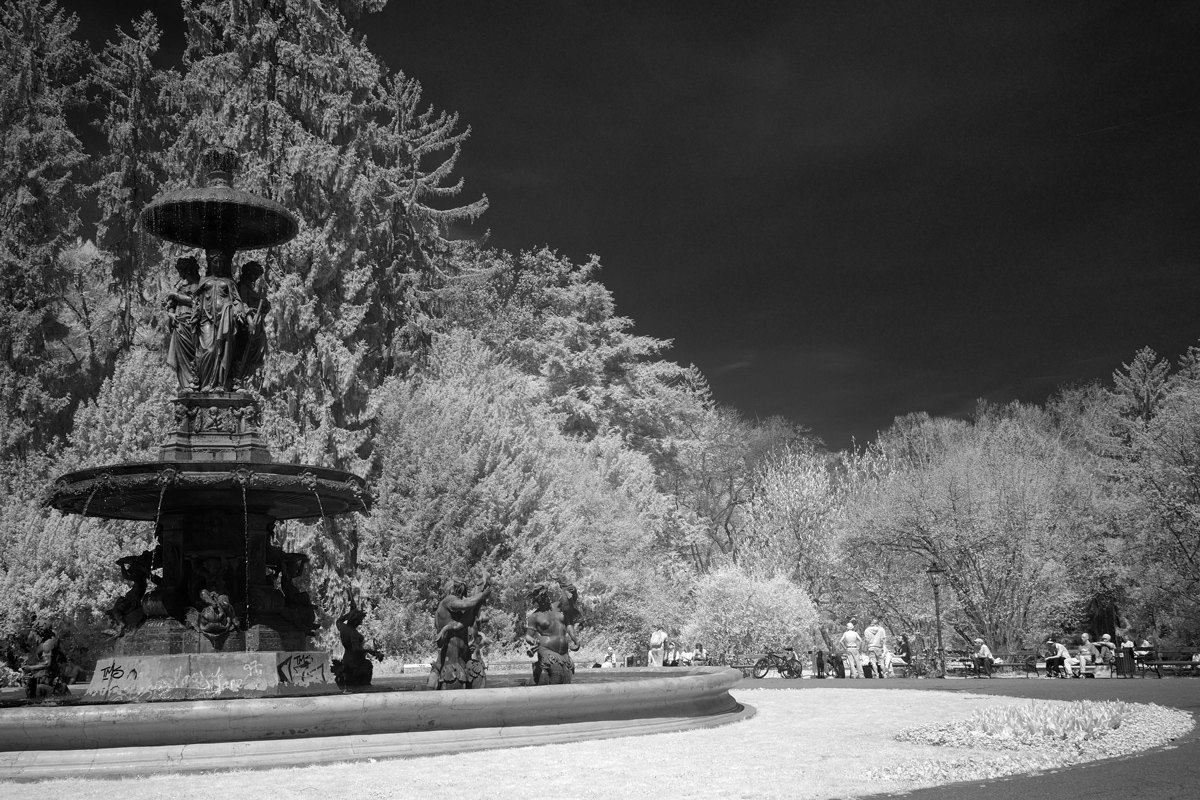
(169, 636)
(210, 676)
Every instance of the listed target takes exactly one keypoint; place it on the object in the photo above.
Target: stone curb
(269, 754)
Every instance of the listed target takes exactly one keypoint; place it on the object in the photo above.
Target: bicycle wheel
(792, 669)
(762, 667)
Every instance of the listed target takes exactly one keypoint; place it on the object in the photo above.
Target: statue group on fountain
(206, 603)
(216, 338)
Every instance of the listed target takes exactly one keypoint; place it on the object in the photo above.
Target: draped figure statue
(181, 323)
(252, 338)
(220, 313)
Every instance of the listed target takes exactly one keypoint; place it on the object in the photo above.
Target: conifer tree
(136, 126)
(40, 82)
(325, 132)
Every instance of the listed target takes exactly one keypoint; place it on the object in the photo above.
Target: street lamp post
(935, 574)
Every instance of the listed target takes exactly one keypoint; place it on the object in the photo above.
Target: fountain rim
(689, 691)
(154, 217)
(162, 478)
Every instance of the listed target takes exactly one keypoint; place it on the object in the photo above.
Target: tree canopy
(506, 415)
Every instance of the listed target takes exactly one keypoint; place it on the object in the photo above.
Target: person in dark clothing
(904, 650)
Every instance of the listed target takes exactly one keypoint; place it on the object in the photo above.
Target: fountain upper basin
(143, 491)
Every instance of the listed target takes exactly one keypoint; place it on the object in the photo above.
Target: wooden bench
(745, 663)
(1023, 662)
(1176, 662)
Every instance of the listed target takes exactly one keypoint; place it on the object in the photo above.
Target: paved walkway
(1166, 772)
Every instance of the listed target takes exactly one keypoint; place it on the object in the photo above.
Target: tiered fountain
(214, 611)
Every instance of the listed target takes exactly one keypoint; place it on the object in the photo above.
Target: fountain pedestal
(216, 426)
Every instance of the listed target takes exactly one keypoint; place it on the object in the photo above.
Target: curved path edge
(1166, 771)
(120, 762)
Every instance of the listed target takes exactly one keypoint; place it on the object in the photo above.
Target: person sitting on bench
(983, 660)
(1056, 665)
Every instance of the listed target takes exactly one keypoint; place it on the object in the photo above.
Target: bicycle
(787, 667)
(924, 665)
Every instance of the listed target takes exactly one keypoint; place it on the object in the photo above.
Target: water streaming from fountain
(246, 533)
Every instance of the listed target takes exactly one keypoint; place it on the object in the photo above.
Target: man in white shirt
(983, 660)
(876, 638)
(853, 644)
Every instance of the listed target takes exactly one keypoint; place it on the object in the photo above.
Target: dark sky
(840, 212)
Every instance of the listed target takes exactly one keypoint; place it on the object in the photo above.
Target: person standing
(983, 660)
(852, 642)
(658, 646)
(876, 637)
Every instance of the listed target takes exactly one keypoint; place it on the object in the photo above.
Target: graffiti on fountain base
(209, 676)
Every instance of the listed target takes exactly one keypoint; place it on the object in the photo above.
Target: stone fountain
(214, 610)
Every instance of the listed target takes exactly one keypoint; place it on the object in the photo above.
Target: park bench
(1020, 662)
(1178, 663)
(744, 662)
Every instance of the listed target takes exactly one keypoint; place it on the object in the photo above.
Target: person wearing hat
(853, 644)
(1107, 650)
(983, 660)
(1057, 665)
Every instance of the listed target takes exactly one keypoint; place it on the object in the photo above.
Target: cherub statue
(298, 605)
(127, 611)
(550, 632)
(354, 669)
(455, 620)
(217, 618)
(213, 614)
(42, 671)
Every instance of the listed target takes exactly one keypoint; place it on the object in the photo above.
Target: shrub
(1073, 722)
(733, 612)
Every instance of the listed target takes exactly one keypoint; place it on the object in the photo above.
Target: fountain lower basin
(142, 738)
